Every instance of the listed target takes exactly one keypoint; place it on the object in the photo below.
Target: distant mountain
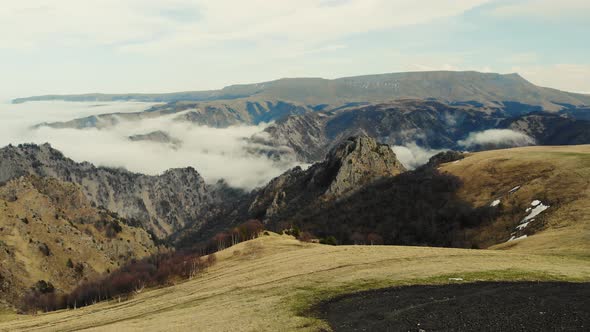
(551, 129)
(485, 88)
(218, 114)
(428, 124)
(161, 204)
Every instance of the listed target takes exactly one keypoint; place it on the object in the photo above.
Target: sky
(116, 46)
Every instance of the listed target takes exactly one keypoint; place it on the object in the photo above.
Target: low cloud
(496, 138)
(215, 153)
(413, 156)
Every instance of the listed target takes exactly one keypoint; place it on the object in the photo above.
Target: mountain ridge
(162, 203)
(468, 86)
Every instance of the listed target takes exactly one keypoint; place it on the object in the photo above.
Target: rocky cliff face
(49, 231)
(551, 129)
(162, 204)
(349, 166)
(428, 124)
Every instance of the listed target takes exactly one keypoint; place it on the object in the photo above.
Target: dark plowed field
(486, 306)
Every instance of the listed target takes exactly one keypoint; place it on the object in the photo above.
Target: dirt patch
(485, 306)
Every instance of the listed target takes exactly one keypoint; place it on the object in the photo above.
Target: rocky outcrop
(360, 160)
(349, 166)
(162, 204)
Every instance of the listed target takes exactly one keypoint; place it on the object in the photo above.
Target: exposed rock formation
(352, 164)
(162, 204)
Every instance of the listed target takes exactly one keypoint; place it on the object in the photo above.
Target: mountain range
(432, 110)
(65, 221)
(486, 88)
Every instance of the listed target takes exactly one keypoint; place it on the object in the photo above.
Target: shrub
(43, 287)
(330, 240)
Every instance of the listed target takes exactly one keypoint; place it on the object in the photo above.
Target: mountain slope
(162, 204)
(352, 164)
(271, 283)
(557, 177)
(49, 231)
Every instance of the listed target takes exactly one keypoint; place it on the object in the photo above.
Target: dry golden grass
(274, 279)
(270, 283)
(558, 175)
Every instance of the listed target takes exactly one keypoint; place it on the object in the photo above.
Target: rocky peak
(360, 160)
(350, 165)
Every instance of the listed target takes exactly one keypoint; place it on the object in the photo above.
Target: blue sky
(76, 46)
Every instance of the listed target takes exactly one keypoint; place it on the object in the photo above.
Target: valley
(313, 166)
(276, 282)
(319, 201)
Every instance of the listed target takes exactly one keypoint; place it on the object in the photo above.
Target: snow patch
(495, 203)
(535, 212)
(535, 202)
(523, 226)
(514, 238)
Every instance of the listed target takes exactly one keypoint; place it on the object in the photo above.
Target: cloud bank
(413, 156)
(496, 138)
(215, 153)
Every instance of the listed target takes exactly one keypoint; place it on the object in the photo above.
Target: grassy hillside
(271, 282)
(557, 176)
(49, 231)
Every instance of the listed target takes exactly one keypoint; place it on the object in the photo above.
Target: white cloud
(499, 138)
(215, 153)
(546, 9)
(413, 156)
(158, 25)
